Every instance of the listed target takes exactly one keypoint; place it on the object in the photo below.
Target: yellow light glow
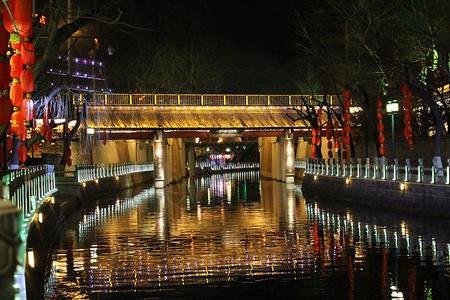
(52, 200)
(347, 180)
(402, 186)
(84, 184)
(96, 180)
(117, 178)
(315, 177)
(30, 255)
(40, 217)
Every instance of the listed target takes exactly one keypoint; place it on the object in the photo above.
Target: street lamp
(391, 109)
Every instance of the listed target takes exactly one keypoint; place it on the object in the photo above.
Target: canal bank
(417, 197)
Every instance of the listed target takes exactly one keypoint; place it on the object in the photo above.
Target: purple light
(78, 86)
(51, 69)
(51, 83)
(59, 56)
(85, 61)
(100, 63)
(76, 60)
(93, 62)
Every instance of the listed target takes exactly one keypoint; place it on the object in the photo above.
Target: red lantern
(9, 143)
(16, 94)
(382, 151)
(328, 127)
(313, 141)
(346, 140)
(27, 109)
(329, 145)
(336, 146)
(347, 116)
(23, 134)
(381, 138)
(379, 115)
(21, 11)
(346, 93)
(319, 131)
(319, 122)
(344, 154)
(329, 135)
(17, 122)
(318, 141)
(407, 117)
(346, 105)
(48, 136)
(380, 127)
(43, 129)
(69, 162)
(313, 132)
(313, 148)
(336, 135)
(410, 142)
(27, 81)
(27, 52)
(5, 70)
(406, 91)
(16, 65)
(5, 110)
(313, 156)
(22, 153)
(319, 112)
(336, 124)
(35, 146)
(330, 154)
(4, 39)
(347, 128)
(16, 46)
(408, 130)
(379, 104)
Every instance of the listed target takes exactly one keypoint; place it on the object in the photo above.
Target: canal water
(238, 236)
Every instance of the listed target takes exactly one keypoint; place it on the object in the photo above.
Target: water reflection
(236, 235)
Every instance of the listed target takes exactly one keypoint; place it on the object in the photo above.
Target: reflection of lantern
(313, 156)
(336, 124)
(69, 162)
(346, 93)
(35, 146)
(21, 11)
(22, 153)
(313, 140)
(313, 148)
(318, 140)
(408, 130)
(16, 94)
(380, 127)
(346, 105)
(347, 116)
(48, 136)
(16, 65)
(27, 81)
(329, 145)
(4, 38)
(330, 154)
(319, 112)
(27, 109)
(329, 135)
(43, 129)
(410, 142)
(5, 70)
(382, 151)
(381, 138)
(344, 154)
(336, 135)
(17, 122)
(27, 53)
(379, 104)
(336, 146)
(104, 137)
(379, 115)
(346, 140)
(347, 128)
(5, 110)
(328, 126)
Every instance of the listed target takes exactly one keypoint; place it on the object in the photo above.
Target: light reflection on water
(233, 231)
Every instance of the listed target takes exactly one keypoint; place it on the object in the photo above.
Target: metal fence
(93, 172)
(378, 169)
(211, 99)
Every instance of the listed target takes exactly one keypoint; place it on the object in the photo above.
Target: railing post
(344, 168)
(268, 99)
(448, 171)
(420, 170)
(358, 167)
(367, 168)
(246, 99)
(407, 170)
(375, 168)
(290, 100)
(131, 99)
(433, 174)
(224, 100)
(154, 96)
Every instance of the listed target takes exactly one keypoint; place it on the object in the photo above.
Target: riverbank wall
(417, 197)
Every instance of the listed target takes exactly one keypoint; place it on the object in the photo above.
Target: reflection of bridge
(172, 121)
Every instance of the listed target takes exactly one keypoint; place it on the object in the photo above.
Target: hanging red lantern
(22, 153)
(407, 117)
(313, 132)
(16, 66)
(406, 91)
(4, 39)
(336, 135)
(16, 43)
(410, 142)
(27, 109)
(328, 126)
(9, 143)
(319, 122)
(380, 127)
(318, 141)
(346, 140)
(346, 105)
(347, 128)
(313, 140)
(336, 124)
(313, 156)
(35, 146)
(379, 115)
(319, 112)
(381, 138)
(313, 148)
(347, 116)
(330, 154)
(23, 134)
(336, 146)
(408, 130)
(379, 104)
(16, 94)
(48, 136)
(21, 11)
(27, 53)
(69, 162)
(17, 122)
(346, 93)
(5, 70)
(27, 81)
(5, 110)
(344, 154)
(382, 151)
(329, 135)
(319, 131)
(329, 145)
(43, 129)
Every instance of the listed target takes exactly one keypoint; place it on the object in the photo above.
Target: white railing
(92, 172)
(379, 170)
(210, 99)
(28, 188)
(226, 166)
(300, 163)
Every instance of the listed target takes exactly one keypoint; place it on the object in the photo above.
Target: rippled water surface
(234, 236)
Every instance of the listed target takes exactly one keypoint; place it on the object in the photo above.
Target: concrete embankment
(418, 197)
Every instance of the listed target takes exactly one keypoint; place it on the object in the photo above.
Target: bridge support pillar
(289, 156)
(158, 158)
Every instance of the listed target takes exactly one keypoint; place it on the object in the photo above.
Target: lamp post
(91, 132)
(392, 109)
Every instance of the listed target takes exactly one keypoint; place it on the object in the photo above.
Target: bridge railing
(227, 166)
(210, 99)
(378, 169)
(96, 171)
